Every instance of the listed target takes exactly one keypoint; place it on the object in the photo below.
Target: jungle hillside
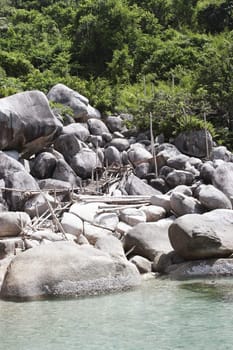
(172, 59)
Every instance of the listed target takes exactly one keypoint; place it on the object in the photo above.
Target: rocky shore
(88, 206)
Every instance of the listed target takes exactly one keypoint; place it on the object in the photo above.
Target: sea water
(159, 315)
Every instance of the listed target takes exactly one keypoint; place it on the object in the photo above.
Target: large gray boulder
(135, 186)
(68, 145)
(85, 162)
(121, 144)
(112, 156)
(77, 102)
(210, 235)
(13, 223)
(193, 143)
(223, 179)
(212, 198)
(221, 152)
(66, 269)
(179, 177)
(97, 127)
(27, 122)
(65, 173)
(138, 154)
(80, 130)
(182, 204)
(114, 123)
(148, 239)
(43, 165)
(17, 178)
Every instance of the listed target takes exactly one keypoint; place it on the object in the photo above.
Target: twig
(55, 218)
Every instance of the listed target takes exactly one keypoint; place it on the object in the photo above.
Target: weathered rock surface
(201, 268)
(12, 223)
(43, 165)
(66, 269)
(193, 143)
(77, 102)
(27, 122)
(148, 239)
(182, 204)
(212, 198)
(135, 186)
(210, 235)
(223, 179)
(85, 162)
(143, 265)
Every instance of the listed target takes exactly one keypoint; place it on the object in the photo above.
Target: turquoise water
(160, 315)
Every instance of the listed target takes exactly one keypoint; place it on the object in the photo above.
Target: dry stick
(153, 145)
(55, 218)
(114, 208)
(206, 137)
(130, 250)
(92, 223)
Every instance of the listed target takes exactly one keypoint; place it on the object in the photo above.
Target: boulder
(138, 154)
(112, 156)
(12, 223)
(135, 186)
(212, 268)
(85, 162)
(97, 127)
(24, 184)
(79, 130)
(178, 162)
(107, 220)
(207, 172)
(193, 143)
(221, 152)
(182, 204)
(68, 146)
(153, 212)
(72, 224)
(161, 200)
(148, 239)
(112, 246)
(212, 198)
(51, 184)
(9, 245)
(210, 235)
(179, 177)
(143, 265)
(77, 102)
(114, 123)
(132, 216)
(141, 170)
(223, 179)
(64, 269)
(186, 190)
(159, 184)
(93, 233)
(86, 212)
(121, 144)
(38, 204)
(64, 172)
(27, 123)
(43, 165)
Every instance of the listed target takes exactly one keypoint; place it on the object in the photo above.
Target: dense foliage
(170, 58)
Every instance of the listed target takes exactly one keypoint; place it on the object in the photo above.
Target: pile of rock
(168, 210)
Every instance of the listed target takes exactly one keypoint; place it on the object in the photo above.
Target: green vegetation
(171, 58)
